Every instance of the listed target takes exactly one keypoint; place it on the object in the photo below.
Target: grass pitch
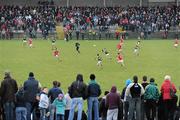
(157, 58)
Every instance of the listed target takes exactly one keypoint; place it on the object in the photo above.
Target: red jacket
(165, 89)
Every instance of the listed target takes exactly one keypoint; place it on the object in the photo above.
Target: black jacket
(8, 89)
(78, 89)
(20, 98)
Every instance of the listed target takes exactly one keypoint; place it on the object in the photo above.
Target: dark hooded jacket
(113, 99)
(78, 89)
(8, 89)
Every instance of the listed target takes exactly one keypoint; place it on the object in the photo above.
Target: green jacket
(60, 106)
(151, 92)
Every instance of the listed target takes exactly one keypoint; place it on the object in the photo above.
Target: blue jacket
(31, 88)
(53, 93)
(94, 89)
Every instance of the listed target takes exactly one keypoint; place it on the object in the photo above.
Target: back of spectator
(168, 100)
(144, 84)
(55, 91)
(43, 103)
(126, 99)
(135, 90)
(151, 97)
(78, 92)
(94, 91)
(112, 103)
(7, 92)
(53, 94)
(31, 88)
(102, 107)
(60, 104)
(21, 111)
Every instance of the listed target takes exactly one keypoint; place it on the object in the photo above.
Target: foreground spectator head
(114, 89)
(31, 74)
(7, 74)
(135, 79)
(167, 77)
(144, 78)
(92, 77)
(55, 83)
(45, 90)
(60, 96)
(79, 77)
(152, 80)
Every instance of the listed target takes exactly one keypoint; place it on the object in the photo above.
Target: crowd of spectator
(136, 101)
(44, 18)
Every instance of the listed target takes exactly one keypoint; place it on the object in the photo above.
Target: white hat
(167, 77)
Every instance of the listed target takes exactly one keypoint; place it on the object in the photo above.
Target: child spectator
(43, 103)
(60, 104)
(21, 111)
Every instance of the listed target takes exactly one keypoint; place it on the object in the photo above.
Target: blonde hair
(167, 77)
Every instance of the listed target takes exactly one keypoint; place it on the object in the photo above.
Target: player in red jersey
(30, 43)
(176, 43)
(119, 47)
(120, 59)
(56, 54)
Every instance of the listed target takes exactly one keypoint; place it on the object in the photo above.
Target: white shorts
(175, 45)
(107, 54)
(120, 61)
(120, 50)
(99, 62)
(57, 56)
(24, 41)
(30, 45)
(53, 43)
(135, 50)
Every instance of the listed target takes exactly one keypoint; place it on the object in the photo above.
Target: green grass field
(157, 58)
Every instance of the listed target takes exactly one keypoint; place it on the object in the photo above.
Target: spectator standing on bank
(53, 94)
(7, 92)
(135, 90)
(43, 103)
(166, 89)
(21, 111)
(78, 92)
(126, 101)
(31, 88)
(54, 91)
(94, 91)
(68, 104)
(112, 103)
(144, 84)
(102, 107)
(151, 97)
(60, 104)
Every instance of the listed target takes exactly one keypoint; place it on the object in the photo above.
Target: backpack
(135, 90)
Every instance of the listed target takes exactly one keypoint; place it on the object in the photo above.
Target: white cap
(167, 77)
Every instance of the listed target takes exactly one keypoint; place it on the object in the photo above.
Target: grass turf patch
(157, 58)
